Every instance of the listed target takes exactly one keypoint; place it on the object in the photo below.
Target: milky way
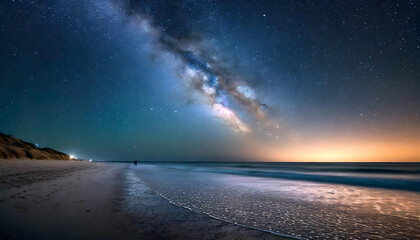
(210, 79)
(201, 69)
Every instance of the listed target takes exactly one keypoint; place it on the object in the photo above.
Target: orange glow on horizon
(346, 151)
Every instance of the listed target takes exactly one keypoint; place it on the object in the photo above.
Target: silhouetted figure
(135, 163)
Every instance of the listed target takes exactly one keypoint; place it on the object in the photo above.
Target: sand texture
(81, 200)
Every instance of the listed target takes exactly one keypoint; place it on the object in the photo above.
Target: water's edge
(209, 215)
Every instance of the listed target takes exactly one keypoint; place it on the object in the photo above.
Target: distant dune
(13, 148)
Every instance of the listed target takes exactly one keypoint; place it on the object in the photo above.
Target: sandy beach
(81, 200)
(209, 120)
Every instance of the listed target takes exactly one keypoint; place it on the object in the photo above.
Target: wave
(382, 178)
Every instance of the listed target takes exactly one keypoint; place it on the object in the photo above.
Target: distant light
(36, 145)
(73, 156)
(90, 160)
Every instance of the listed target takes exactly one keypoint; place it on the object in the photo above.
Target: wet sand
(81, 200)
(154, 217)
(304, 209)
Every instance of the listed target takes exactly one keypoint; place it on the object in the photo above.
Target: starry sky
(213, 80)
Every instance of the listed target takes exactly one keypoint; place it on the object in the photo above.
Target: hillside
(13, 148)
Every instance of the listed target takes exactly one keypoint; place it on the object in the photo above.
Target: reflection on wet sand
(298, 208)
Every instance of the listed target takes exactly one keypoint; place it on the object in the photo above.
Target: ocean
(297, 200)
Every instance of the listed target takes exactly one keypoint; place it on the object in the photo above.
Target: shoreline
(155, 217)
(301, 209)
(81, 200)
(227, 221)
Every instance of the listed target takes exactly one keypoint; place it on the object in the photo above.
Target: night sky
(213, 80)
